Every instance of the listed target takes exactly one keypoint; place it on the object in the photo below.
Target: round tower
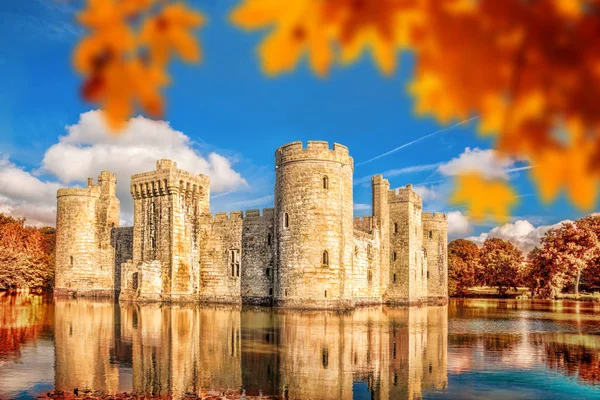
(435, 243)
(314, 225)
(84, 261)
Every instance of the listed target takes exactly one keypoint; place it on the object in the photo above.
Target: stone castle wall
(308, 251)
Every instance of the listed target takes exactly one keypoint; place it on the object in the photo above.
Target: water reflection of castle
(393, 353)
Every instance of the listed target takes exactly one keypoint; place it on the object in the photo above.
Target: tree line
(567, 259)
(26, 255)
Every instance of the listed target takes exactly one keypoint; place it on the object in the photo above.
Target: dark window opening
(271, 292)
(325, 358)
(234, 260)
(325, 182)
(269, 239)
(135, 279)
(268, 272)
(325, 258)
(394, 256)
(427, 274)
(285, 292)
(326, 294)
(71, 259)
(286, 222)
(430, 234)
(394, 277)
(134, 319)
(395, 227)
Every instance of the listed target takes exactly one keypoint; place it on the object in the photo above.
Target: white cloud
(522, 233)
(24, 195)
(362, 207)
(458, 224)
(89, 147)
(487, 162)
(428, 193)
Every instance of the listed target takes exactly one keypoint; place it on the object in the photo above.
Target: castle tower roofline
(404, 194)
(434, 216)
(165, 164)
(90, 191)
(168, 179)
(315, 150)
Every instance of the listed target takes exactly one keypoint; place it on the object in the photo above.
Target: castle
(306, 252)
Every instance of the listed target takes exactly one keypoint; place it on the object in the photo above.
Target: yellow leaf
(483, 198)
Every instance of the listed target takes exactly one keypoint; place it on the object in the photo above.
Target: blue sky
(227, 106)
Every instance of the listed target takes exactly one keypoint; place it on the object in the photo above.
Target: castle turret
(85, 258)
(314, 225)
(407, 265)
(435, 242)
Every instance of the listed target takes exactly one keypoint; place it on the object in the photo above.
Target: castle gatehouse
(307, 252)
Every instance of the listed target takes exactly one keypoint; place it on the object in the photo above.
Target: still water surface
(468, 349)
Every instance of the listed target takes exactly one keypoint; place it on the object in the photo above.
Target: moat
(467, 349)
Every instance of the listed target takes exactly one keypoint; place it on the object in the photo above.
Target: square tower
(167, 205)
(408, 269)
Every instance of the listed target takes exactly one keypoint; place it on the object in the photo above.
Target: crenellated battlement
(168, 179)
(379, 180)
(89, 191)
(434, 216)
(405, 194)
(240, 215)
(315, 150)
(364, 224)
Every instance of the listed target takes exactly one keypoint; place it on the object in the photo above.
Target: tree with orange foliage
(564, 256)
(463, 266)
(501, 263)
(26, 255)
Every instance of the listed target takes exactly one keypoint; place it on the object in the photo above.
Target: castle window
(395, 227)
(135, 281)
(271, 292)
(394, 256)
(325, 258)
(285, 292)
(286, 220)
(394, 277)
(325, 182)
(326, 294)
(153, 243)
(427, 274)
(269, 239)
(234, 259)
(325, 357)
(430, 234)
(71, 259)
(268, 272)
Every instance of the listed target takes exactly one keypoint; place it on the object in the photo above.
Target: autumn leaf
(168, 32)
(483, 197)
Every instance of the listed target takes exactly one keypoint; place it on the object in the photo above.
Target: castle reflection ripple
(392, 353)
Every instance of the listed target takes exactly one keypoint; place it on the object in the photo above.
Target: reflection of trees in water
(21, 321)
(574, 360)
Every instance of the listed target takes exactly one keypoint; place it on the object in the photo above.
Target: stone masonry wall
(258, 256)
(366, 281)
(220, 239)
